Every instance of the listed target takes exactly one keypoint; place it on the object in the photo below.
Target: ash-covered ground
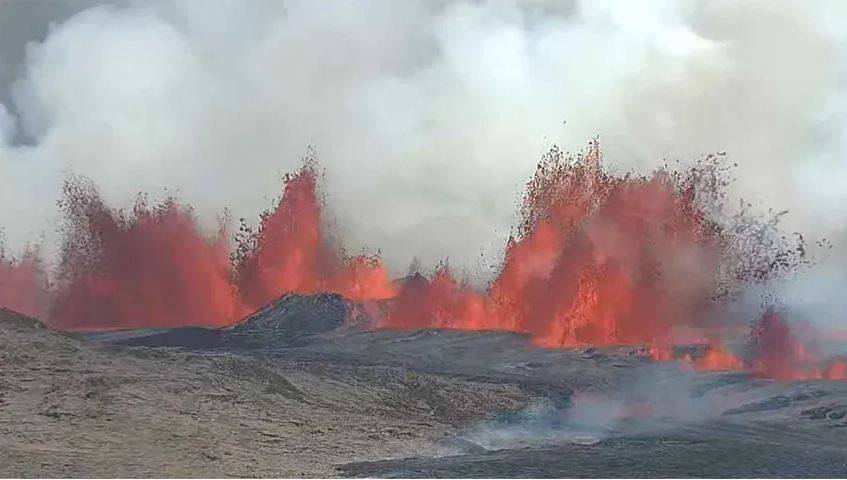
(303, 388)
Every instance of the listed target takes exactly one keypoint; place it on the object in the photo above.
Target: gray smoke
(654, 399)
(428, 116)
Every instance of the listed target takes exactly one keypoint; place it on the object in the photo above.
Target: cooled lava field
(304, 388)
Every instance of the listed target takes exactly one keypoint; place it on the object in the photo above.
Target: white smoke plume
(653, 399)
(428, 116)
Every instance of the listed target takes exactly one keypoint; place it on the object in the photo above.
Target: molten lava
(290, 253)
(439, 302)
(717, 358)
(22, 284)
(154, 268)
(778, 354)
(149, 268)
(599, 260)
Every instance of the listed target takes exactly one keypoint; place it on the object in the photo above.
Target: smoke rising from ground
(428, 116)
(653, 399)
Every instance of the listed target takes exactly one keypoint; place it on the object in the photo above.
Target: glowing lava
(22, 284)
(440, 302)
(290, 253)
(718, 359)
(598, 260)
(153, 267)
(778, 354)
(148, 268)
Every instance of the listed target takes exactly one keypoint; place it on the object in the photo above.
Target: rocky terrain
(303, 389)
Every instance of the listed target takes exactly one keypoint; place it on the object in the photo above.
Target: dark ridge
(197, 338)
(21, 320)
(647, 457)
(411, 280)
(289, 321)
(294, 315)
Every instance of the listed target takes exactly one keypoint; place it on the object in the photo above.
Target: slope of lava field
(299, 389)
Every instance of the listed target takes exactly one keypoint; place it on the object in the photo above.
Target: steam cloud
(428, 116)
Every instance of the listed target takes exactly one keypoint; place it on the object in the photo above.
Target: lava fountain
(22, 283)
(597, 259)
(600, 259)
(150, 267)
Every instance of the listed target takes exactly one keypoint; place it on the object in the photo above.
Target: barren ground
(291, 392)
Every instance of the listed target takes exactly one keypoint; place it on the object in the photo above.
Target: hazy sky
(428, 116)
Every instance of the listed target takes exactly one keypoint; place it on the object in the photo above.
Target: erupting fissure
(289, 252)
(22, 283)
(598, 259)
(152, 267)
(777, 353)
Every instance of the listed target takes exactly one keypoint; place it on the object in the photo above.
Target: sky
(428, 116)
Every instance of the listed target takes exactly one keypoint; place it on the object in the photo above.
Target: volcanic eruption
(542, 239)
(289, 252)
(22, 283)
(597, 259)
(777, 353)
(600, 259)
(153, 267)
